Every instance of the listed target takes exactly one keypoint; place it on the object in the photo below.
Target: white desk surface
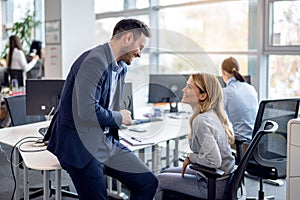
(156, 132)
(159, 131)
(12, 135)
(46, 160)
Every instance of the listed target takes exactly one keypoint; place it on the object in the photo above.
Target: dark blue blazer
(77, 128)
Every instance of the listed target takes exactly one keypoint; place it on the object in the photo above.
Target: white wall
(77, 25)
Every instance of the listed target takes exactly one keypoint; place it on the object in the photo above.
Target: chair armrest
(207, 171)
(238, 140)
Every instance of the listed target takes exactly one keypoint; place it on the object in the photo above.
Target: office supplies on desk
(133, 141)
(146, 120)
(137, 129)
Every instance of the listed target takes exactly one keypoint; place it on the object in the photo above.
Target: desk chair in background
(16, 74)
(235, 189)
(3, 76)
(269, 160)
(16, 106)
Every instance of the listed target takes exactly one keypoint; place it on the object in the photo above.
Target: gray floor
(35, 179)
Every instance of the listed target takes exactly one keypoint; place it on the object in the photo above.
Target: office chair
(3, 76)
(235, 188)
(269, 160)
(16, 74)
(16, 106)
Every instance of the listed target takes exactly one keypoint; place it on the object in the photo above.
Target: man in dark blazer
(83, 132)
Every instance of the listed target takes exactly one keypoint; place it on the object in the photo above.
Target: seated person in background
(240, 99)
(209, 140)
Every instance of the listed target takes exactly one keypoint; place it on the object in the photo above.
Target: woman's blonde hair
(209, 84)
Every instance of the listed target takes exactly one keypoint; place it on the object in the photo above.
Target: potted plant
(24, 29)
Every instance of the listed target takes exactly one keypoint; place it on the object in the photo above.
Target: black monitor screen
(42, 95)
(127, 98)
(166, 87)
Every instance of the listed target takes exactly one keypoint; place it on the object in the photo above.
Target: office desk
(157, 132)
(172, 127)
(42, 160)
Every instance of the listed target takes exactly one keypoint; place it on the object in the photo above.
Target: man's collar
(115, 65)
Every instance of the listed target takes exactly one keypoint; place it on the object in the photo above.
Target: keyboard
(146, 120)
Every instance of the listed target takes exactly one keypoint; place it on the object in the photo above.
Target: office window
(285, 23)
(21, 7)
(119, 5)
(284, 73)
(202, 34)
(247, 63)
(226, 30)
(282, 44)
(104, 27)
(172, 2)
(186, 64)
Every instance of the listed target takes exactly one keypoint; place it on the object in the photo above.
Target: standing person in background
(84, 130)
(240, 99)
(209, 140)
(37, 72)
(16, 59)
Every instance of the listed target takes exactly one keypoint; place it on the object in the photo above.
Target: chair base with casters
(236, 182)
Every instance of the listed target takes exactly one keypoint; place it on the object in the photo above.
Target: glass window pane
(108, 6)
(104, 27)
(186, 64)
(286, 23)
(138, 75)
(21, 7)
(228, 30)
(118, 5)
(192, 63)
(284, 73)
(244, 61)
(171, 2)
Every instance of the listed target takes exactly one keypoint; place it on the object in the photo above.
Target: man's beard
(127, 55)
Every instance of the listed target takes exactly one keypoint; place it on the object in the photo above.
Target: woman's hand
(185, 164)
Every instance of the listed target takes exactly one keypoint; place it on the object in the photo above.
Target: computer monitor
(127, 99)
(167, 88)
(42, 95)
(247, 78)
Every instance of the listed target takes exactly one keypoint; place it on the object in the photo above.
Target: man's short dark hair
(131, 25)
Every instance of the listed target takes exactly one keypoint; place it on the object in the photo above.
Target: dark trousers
(90, 181)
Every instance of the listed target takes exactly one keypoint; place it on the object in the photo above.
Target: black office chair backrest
(271, 150)
(16, 106)
(268, 127)
(16, 74)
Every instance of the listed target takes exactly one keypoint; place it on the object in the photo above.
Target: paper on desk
(135, 141)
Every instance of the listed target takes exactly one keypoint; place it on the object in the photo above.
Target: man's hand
(185, 164)
(126, 117)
